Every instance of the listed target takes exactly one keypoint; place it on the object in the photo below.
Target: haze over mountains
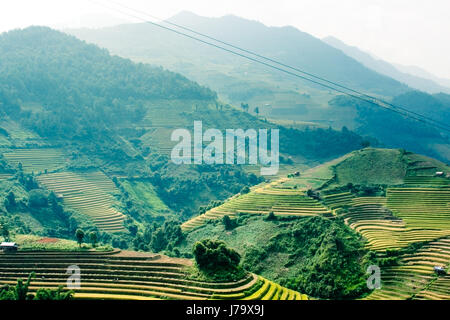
(278, 96)
(86, 141)
(149, 43)
(412, 76)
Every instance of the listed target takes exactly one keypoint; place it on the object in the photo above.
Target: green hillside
(302, 253)
(85, 144)
(393, 200)
(91, 140)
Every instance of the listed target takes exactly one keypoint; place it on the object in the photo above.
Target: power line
(281, 64)
(369, 99)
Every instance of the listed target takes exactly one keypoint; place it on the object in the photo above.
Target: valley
(88, 179)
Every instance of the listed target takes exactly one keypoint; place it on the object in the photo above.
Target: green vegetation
(305, 254)
(90, 193)
(21, 292)
(156, 238)
(392, 198)
(84, 155)
(79, 234)
(39, 243)
(372, 166)
(143, 195)
(70, 145)
(216, 260)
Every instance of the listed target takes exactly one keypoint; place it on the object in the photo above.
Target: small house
(9, 246)
(439, 174)
(439, 270)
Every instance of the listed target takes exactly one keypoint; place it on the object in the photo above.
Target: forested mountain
(75, 82)
(68, 107)
(387, 68)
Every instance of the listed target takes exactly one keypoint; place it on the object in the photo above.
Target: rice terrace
(218, 158)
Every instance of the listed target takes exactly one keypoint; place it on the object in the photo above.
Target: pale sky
(408, 32)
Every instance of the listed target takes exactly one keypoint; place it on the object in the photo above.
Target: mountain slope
(237, 79)
(391, 198)
(419, 72)
(386, 68)
(95, 129)
(279, 97)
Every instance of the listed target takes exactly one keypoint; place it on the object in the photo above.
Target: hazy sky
(408, 32)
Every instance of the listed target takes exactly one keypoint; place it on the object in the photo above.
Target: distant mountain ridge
(400, 73)
(145, 42)
(419, 72)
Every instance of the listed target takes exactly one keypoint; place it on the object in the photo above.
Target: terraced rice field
(262, 200)
(131, 275)
(36, 160)
(18, 135)
(338, 200)
(370, 217)
(426, 181)
(421, 207)
(90, 193)
(5, 176)
(414, 277)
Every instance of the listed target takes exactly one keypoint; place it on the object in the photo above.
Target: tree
(257, 110)
(228, 223)
(93, 238)
(213, 255)
(245, 190)
(79, 234)
(271, 216)
(365, 144)
(38, 198)
(18, 292)
(159, 241)
(58, 294)
(244, 106)
(11, 198)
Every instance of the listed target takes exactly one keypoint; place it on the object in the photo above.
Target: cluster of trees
(319, 143)
(156, 238)
(214, 259)
(80, 236)
(212, 204)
